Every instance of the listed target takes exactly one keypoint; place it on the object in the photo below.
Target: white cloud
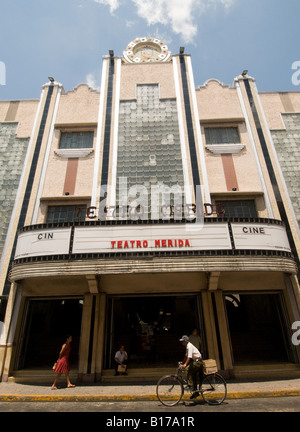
(226, 3)
(113, 4)
(180, 15)
(161, 35)
(91, 81)
(130, 23)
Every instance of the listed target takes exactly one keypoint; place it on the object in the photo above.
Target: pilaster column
(85, 336)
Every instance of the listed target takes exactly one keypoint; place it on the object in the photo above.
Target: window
(72, 140)
(237, 209)
(222, 135)
(65, 213)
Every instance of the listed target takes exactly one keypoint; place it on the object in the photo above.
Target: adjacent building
(133, 214)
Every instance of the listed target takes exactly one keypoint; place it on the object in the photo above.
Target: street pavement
(17, 392)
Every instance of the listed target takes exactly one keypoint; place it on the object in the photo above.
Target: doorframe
(284, 321)
(110, 315)
(23, 325)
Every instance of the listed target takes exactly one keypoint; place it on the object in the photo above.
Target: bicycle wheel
(169, 390)
(214, 389)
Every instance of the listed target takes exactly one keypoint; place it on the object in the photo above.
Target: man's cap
(184, 339)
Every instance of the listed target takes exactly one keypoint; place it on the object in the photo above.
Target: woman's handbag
(122, 368)
(55, 364)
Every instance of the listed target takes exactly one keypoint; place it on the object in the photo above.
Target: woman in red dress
(63, 365)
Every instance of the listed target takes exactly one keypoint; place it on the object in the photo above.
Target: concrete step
(268, 370)
(137, 375)
(152, 375)
(134, 375)
(37, 376)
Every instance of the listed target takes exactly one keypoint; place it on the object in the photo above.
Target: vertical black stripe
(189, 124)
(271, 172)
(218, 335)
(91, 341)
(107, 130)
(29, 185)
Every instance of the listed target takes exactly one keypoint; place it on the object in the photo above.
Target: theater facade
(146, 209)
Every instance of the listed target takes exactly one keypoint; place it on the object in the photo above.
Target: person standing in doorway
(63, 365)
(195, 339)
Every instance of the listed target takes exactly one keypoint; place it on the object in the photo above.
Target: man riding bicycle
(192, 363)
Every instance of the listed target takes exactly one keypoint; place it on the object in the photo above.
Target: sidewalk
(12, 392)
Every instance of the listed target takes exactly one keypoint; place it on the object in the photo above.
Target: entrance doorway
(150, 328)
(258, 328)
(46, 323)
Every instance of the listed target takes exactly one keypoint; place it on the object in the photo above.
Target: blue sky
(66, 39)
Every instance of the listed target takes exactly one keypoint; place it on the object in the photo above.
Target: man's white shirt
(192, 352)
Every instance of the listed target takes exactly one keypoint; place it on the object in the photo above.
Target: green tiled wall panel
(12, 155)
(287, 144)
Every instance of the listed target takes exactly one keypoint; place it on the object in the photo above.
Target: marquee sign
(96, 239)
(260, 237)
(43, 242)
(145, 238)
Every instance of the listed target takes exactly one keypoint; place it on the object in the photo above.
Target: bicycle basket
(209, 367)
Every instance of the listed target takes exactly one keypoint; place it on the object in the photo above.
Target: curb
(149, 397)
(75, 398)
(262, 394)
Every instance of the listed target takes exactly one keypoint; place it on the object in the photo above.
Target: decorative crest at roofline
(146, 50)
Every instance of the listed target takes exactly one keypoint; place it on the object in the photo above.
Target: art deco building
(133, 214)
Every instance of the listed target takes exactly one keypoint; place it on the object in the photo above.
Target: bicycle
(170, 388)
